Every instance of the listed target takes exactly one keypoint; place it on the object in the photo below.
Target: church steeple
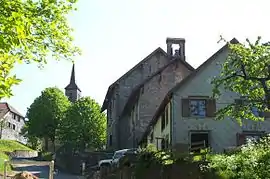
(72, 90)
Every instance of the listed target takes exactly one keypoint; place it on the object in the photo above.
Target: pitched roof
(136, 92)
(5, 107)
(180, 84)
(72, 84)
(112, 86)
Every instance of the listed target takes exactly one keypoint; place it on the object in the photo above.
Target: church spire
(72, 84)
(72, 78)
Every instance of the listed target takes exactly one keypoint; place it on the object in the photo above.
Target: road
(43, 172)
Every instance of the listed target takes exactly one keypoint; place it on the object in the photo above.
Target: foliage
(31, 31)
(150, 157)
(9, 146)
(252, 161)
(32, 141)
(47, 156)
(46, 112)
(84, 126)
(246, 71)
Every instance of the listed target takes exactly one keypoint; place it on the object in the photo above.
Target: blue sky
(115, 35)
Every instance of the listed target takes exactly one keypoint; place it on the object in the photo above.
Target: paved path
(43, 172)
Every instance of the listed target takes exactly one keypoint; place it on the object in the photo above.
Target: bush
(47, 156)
(251, 161)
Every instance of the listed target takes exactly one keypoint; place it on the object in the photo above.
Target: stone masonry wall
(153, 93)
(124, 89)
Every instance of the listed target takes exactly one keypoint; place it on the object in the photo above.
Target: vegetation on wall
(33, 31)
(246, 71)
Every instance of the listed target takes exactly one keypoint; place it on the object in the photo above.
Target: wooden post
(51, 171)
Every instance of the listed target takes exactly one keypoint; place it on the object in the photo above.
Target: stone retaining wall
(23, 154)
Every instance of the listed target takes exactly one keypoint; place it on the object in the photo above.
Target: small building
(185, 120)
(11, 123)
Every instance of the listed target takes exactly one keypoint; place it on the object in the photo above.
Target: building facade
(119, 92)
(11, 123)
(144, 100)
(191, 114)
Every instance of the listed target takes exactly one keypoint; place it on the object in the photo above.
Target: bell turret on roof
(72, 84)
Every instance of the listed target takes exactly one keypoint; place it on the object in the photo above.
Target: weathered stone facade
(119, 92)
(11, 123)
(150, 95)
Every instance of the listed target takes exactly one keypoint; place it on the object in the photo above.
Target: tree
(31, 31)
(45, 114)
(84, 126)
(246, 71)
(32, 141)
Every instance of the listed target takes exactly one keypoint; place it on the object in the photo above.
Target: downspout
(171, 120)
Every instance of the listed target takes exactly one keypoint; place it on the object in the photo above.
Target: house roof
(136, 92)
(112, 86)
(5, 107)
(180, 84)
(72, 84)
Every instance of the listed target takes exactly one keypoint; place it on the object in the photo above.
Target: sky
(116, 35)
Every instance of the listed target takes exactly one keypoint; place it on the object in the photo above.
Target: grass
(9, 146)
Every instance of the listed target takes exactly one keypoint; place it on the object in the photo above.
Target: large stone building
(153, 77)
(185, 120)
(11, 123)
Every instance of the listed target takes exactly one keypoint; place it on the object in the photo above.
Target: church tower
(72, 91)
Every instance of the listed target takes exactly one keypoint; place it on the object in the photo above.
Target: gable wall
(223, 133)
(9, 133)
(124, 89)
(151, 96)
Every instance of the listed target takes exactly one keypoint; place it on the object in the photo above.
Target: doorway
(198, 141)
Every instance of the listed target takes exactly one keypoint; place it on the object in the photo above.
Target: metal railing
(27, 162)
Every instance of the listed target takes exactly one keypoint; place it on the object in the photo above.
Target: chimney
(180, 52)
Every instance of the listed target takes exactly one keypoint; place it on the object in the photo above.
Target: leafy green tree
(32, 141)
(84, 126)
(246, 71)
(45, 114)
(31, 31)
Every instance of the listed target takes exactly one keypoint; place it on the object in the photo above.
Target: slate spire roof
(72, 84)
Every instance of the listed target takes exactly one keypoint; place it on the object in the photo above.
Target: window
(197, 108)
(19, 118)
(192, 107)
(167, 141)
(242, 138)
(110, 140)
(151, 137)
(167, 115)
(163, 144)
(13, 126)
(163, 121)
(13, 116)
(198, 141)
(9, 124)
(165, 118)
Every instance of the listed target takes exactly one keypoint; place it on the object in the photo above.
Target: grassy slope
(9, 146)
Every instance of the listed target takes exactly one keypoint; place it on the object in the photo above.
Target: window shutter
(185, 108)
(210, 107)
(240, 139)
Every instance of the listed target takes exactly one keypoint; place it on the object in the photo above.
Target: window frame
(198, 100)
